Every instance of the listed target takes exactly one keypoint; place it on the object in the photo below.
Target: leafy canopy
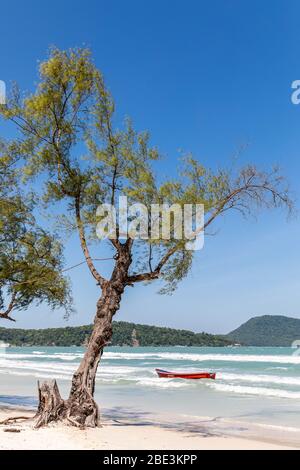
(67, 134)
(30, 258)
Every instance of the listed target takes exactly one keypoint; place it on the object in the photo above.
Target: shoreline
(141, 411)
(118, 431)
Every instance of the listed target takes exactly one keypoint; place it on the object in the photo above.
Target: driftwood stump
(80, 409)
(51, 406)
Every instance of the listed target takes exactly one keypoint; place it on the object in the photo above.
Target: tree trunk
(80, 409)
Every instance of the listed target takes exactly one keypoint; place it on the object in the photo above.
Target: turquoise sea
(260, 385)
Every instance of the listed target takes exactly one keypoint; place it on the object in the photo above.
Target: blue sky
(205, 77)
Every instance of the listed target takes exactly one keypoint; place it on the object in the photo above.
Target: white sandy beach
(253, 404)
(116, 435)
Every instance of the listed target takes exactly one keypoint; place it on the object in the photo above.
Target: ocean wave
(16, 356)
(40, 355)
(276, 379)
(204, 357)
(161, 383)
(155, 356)
(38, 366)
(231, 377)
(148, 382)
(53, 369)
(37, 375)
(257, 391)
(120, 377)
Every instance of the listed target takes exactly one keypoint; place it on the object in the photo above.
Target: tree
(71, 107)
(30, 258)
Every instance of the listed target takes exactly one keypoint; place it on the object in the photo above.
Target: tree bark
(51, 405)
(80, 409)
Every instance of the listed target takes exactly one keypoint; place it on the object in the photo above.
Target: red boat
(185, 375)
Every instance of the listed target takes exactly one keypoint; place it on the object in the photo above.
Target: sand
(116, 434)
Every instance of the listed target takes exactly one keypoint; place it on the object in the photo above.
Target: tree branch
(6, 314)
(254, 187)
(101, 280)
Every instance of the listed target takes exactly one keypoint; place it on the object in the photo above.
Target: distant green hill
(268, 330)
(129, 334)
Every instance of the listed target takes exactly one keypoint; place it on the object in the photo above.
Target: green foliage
(122, 336)
(72, 110)
(30, 258)
(267, 330)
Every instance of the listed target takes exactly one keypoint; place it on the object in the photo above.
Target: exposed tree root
(13, 419)
(80, 411)
(51, 406)
(12, 430)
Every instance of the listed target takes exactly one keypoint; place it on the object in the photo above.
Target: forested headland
(124, 334)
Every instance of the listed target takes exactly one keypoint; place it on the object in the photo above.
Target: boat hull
(181, 375)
